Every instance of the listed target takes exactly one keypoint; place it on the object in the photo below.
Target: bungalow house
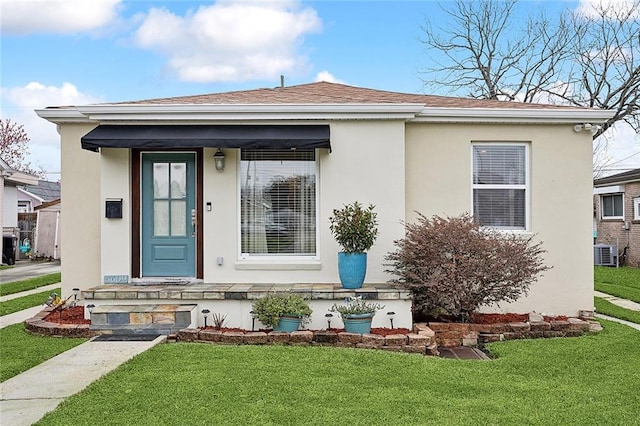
(617, 218)
(205, 202)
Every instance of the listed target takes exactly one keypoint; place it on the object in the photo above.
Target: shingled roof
(333, 93)
(630, 176)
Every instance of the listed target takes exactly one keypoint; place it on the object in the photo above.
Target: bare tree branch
(14, 147)
(486, 50)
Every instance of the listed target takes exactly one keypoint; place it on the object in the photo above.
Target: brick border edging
(420, 343)
(471, 334)
(425, 339)
(38, 325)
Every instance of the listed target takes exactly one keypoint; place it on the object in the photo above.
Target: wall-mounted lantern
(218, 157)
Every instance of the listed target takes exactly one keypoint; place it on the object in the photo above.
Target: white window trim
(636, 208)
(276, 262)
(602, 216)
(526, 186)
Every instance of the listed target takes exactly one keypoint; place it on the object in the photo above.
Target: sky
(75, 52)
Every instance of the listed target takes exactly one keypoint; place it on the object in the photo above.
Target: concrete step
(142, 319)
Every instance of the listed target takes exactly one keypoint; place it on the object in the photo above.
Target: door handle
(193, 222)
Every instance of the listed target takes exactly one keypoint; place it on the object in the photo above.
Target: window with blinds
(500, 185)
(278, 202)
(612, 206)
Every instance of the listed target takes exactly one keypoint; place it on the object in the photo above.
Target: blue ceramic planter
(357, 323)
(352, 268)
(288, 324)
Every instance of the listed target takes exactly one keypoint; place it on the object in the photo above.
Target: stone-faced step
(124, 315)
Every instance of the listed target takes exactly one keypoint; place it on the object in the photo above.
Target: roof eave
(414, 112)
(190, 112)
(511, 115)
(62, 115)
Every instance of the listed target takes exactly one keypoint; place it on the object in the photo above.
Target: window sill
(278, 265)
(612, 219)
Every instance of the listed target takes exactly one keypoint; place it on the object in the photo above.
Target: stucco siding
(366, 165)
(115, 183)
(80, 204)
(439, 182)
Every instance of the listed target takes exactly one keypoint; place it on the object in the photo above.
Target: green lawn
(30, 284)
(25, 302)
(620, 282)
(605, 307)
(21, 350)
(591, 380)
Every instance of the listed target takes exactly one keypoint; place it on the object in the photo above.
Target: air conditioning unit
(605, 254)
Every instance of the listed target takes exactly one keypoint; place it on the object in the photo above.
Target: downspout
(55, 238)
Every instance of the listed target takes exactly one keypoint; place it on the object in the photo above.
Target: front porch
(131, 307)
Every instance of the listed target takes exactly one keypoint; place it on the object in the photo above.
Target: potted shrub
(357, 314)
(355, 229)
(282, 311)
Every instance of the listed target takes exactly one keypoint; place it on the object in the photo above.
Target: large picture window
(278, 202)
(500, 176)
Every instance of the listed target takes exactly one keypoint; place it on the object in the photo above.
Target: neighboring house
(10, 179)
(617, 214)
(31, 196)
(39, 215)
(145, 202)
(48, 236)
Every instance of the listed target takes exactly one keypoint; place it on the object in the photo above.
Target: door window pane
(178, 180)
(178, 218)
(161, 218)
(160, 180)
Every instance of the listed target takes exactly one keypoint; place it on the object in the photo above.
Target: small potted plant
(355, 228)
(357, 314)
(283, 311)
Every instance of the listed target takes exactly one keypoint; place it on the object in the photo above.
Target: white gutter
(62, 115)
(255, 112)
(513, 115)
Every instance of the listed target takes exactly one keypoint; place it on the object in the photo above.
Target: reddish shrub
(452, 266)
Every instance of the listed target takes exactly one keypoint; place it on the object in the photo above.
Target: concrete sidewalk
(24, 315)
(20, 316)
(25, 269)
(27, 397)
(28, 292)
(624, 303)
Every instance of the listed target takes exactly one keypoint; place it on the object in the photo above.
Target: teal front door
(168, 219)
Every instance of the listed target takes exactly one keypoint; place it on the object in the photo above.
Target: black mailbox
(113, 208)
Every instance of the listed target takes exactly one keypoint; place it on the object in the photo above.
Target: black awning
(197, 136)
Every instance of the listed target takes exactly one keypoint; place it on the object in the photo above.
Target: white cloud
(19, 103)
(56, 16)
(328, 77)
(230, 40)
(589, 8)
(623, 148)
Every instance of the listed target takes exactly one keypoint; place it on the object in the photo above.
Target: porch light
(253, 321)
(391, 314)
(219, 159)
(328, 317)
(76, 291)
(205, 312)
(90, 308)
